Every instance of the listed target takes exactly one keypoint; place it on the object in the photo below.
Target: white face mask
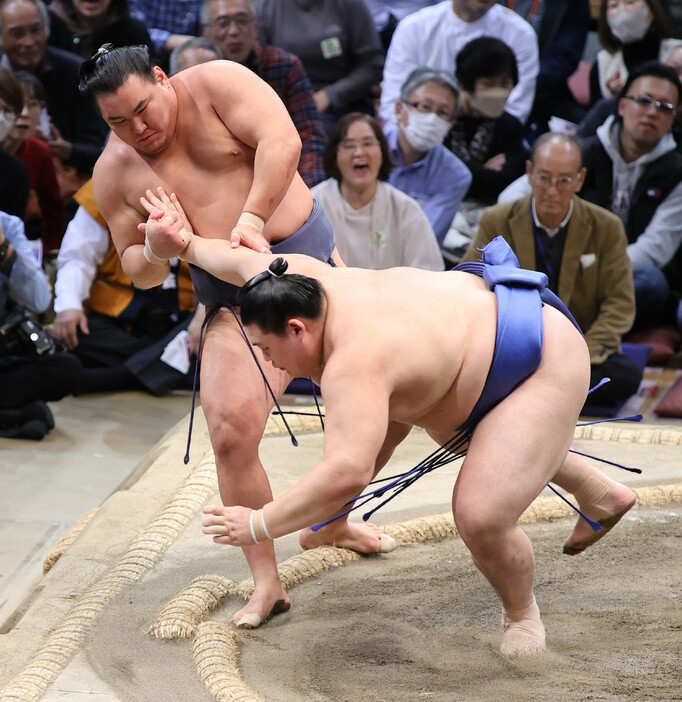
(630, 26)
(489, 102)
(425, 130)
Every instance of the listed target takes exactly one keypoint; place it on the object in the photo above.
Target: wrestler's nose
(139, 125)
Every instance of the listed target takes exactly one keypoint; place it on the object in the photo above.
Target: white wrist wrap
(149, 255)
(251, 220)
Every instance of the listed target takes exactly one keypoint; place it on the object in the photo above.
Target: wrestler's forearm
(274, 167)
(217, 257)
(315, 498)
(143, 274)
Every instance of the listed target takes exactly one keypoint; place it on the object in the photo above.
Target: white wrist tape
(251, 220)
(257, 526)
(147, 252)
(253, 533)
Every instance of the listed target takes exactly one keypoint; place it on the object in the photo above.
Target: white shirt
(390, 230)
(435, 35)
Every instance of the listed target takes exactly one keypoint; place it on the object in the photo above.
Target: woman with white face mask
(13, 176)
(488, 139)
(630, 32)
(375, 225)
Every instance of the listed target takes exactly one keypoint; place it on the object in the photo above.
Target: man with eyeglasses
(581, 248)
(78, 133)
(230, 24)
(635, 170)
(423, 168)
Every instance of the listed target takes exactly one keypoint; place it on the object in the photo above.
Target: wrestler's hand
(228, 525)
(250, 237)
(167, 229)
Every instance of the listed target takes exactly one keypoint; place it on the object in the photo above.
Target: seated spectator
(231, 25)
(375, 225)
(169, 23)
(581, 248)
(338, 45)
(119, 337)
(484, 135)
(14, 183)
(45, 218)
(634, 169)
(487, 139)
(423, 168)
(82, 27)
(562, 27)
(435, 35)
(191, 53)
(77, 132)
(604, 107)
(630, 32)
(387, 13)
(22, 285)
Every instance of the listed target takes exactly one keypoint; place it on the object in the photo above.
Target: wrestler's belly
(213, 200)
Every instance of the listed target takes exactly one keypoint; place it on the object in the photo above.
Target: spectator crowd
(427, 129)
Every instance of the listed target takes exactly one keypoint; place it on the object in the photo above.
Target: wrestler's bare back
(434, 375)
(204, 163)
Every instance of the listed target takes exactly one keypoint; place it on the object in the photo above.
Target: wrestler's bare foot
(264, 603)
(524, 635)
(607, 509)
(363, 538)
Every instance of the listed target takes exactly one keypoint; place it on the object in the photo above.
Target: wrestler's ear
(159, 76)
(296, 326)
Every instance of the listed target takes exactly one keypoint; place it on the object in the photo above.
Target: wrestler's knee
(478, 527)
(235, 431)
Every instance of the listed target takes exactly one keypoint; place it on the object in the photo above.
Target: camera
(21, 333)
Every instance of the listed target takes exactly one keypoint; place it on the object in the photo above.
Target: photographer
(23, 286)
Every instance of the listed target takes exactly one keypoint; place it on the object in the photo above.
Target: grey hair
(42, 8)
(428, 75)
(203, 11)
(193, 43)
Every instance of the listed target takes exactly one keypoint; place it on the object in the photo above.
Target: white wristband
(149, 255)
(253, 533)
(251, 220)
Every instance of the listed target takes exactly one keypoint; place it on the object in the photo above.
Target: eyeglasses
(240, 22)
(350, 145)
(561, 183)
(427, 108)
(8, 111)
(645, 102)
(33, 30)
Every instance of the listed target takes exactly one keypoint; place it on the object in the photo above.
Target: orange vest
(112, 290)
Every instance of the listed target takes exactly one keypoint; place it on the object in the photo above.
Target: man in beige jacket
(581, 247)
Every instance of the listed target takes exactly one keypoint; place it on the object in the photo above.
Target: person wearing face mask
(424, 168)
(375, 225)
(14, 183)
(484, 136)
(630, 32)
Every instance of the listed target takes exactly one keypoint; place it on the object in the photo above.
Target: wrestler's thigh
(517, 448)
(232, 388)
